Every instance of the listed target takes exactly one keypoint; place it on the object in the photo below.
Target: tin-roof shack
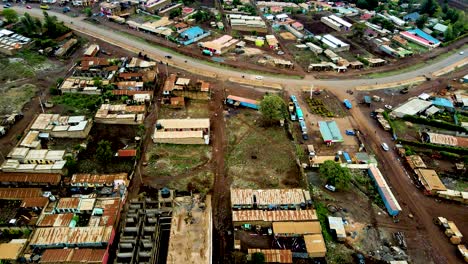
(430, 180)
(73, 256)
(273, 255)
(336, 226)
(246, 198)
(98, 180)
(62, 126)
(58, 237)
(120, 114)
(182, 131)
(294, 229)
(249, 216)
(12, 249)
(29, 179)
(315, 245)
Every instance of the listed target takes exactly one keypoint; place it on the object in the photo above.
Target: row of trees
(32, 27)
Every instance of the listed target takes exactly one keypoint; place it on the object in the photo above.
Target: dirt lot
(247, 158)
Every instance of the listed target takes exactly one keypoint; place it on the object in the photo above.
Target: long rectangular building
(29, 179)
(59, 237)
(182, 131)
(267, 198)
(333, 43)
(391, 203)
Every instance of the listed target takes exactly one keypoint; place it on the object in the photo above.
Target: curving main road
(196, 66)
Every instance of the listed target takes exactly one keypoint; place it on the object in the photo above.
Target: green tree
(236, 2)
(273, 108)
(88, 11)
(421, 21)
(359, 29)
(448, 34)
(10, 15)
(104, 151)
(429, 7)
(258, 258)
(29, 26)
(367, 4)
(335, 175)
(175, 13)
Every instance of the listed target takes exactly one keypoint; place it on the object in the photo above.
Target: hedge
(458, 150)
(390, 122)
(434, 123)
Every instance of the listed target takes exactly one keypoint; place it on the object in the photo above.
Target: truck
(347, 158)
(347, 104)
(293, 99)
(207, 52)
(291, 107)
(451, 230)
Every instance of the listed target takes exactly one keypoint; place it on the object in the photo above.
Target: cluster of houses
(286, 215)
(10, 42)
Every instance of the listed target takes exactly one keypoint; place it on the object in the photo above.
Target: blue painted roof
(330, 131)
(443, 102)
(413, 16)
(424, 35)
(192, 32)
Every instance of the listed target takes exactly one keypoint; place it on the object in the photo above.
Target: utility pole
(40, 103)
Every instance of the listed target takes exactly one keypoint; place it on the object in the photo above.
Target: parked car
(404, 90)
(385, 146)
(45, 7)
(389, 107)
(66, 9)
(330, 187)
(7, 5)
(168, 57)
(462, 52)
(28, 7)
(350, 132)
(258, 77)
(305, 136)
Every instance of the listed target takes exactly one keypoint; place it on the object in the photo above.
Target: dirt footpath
(222, 222)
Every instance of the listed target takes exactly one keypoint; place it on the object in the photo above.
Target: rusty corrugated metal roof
(51, 178)
(98, 178)
(35, 202)
(68, 202)
(56, 220)
(84, 255)
(59, 236)
(18, 193)
(127, 152)
(274, 255)
(273, 216)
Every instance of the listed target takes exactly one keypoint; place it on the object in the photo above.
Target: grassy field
(78, 104)
(193, 109)
(14, 98)
(259, 157)
(182, 163)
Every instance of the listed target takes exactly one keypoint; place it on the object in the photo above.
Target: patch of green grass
(259, 157)
(14, 98)
(417, 49)
(461, 186)
(78, 103)
(171, 159)
(32, 58)
(322, 215)
(201, 183)
(11, 71)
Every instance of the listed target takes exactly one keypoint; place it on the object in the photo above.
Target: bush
(434, 123)
(458, 150)
(54, 91)
(449, 155)
(322, 214)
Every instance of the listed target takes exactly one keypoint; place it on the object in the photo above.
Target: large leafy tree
(429, 7)
(10, 15)
(104, 151)
(335, 175)
(273, 108)
(29, 26)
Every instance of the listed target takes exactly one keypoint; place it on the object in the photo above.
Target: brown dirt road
(426, 241)
(222, 242)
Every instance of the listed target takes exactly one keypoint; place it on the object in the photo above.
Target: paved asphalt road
(178, 60)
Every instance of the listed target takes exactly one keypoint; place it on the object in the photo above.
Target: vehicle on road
(385, 146)
(6, 5)
(66, 9)
(28, 7)
(462, 52)
(305, 136)
(168, 57)
(2, 131)
(330, 187)
(389, 107)
(350, 132)
(45, 7)
(258, 77)
(347, 104)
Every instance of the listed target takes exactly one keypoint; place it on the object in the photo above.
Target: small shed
(337, 226)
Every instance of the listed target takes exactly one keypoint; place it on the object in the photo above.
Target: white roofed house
(182, 131)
